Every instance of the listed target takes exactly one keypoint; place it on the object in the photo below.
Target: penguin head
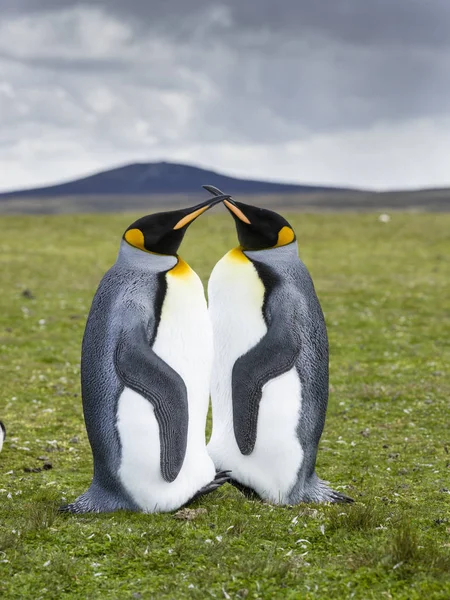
(162, 233)
(259, 228)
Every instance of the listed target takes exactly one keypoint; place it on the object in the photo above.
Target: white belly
(236, 296)
(184, 341)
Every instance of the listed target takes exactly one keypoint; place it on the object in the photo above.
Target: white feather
(184, 341)
(236, 296)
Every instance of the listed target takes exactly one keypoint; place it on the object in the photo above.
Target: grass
(384, 290)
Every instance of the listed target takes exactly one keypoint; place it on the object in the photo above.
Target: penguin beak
(235, 210)
(229, 203)
(196, 211)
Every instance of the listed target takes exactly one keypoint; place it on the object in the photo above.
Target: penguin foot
(220, 478)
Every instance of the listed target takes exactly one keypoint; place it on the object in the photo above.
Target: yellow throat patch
(237, 255)
(181, 269)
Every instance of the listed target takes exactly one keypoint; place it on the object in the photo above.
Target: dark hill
(160, 178)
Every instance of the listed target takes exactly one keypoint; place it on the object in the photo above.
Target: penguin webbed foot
(220, 478)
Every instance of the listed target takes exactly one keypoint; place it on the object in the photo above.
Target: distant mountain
(160, 178)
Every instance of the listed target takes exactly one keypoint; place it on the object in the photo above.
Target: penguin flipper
(274, 355)
(142, 370)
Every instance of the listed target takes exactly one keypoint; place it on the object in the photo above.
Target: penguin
(145, 373)
(269, 386)
(2, 435)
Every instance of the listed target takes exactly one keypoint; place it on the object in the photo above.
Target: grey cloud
(231, 72)
(61, 63)
(403, 22)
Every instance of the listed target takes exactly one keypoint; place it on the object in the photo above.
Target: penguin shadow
(247, 492)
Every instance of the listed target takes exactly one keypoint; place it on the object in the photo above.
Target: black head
(257, 228)
(162, 233)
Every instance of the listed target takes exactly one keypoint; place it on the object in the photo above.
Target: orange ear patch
(135, 238)
(285, 236)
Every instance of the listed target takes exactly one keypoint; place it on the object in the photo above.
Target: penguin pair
(151, 350)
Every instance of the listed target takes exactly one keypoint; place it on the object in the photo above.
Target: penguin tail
(321, 493)
(317, 491)
(220, 478)
(338, 498)
(73, 508)
(98, 500)
(83, 504)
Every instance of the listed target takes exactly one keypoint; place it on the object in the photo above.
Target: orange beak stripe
(237, 211)
(188, 218)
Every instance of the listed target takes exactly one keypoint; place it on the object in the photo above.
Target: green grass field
(384, 288)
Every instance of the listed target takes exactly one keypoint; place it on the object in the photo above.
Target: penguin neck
(133, 258)
(280, 254)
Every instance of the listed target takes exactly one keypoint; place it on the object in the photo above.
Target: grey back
(133, 279)
(292, 285)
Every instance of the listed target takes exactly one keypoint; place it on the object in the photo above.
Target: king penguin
(145, 374)
(269, 385)
(2, 435)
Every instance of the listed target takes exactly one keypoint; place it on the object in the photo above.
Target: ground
(384, 288)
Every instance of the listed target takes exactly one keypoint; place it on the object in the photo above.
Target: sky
(339, 92)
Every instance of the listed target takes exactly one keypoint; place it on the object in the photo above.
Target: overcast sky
(353, 92)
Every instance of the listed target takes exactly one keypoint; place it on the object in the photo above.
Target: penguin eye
(135, 238)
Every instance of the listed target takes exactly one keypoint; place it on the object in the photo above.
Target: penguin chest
(236, 298)
(184, 341)
(184, 335)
